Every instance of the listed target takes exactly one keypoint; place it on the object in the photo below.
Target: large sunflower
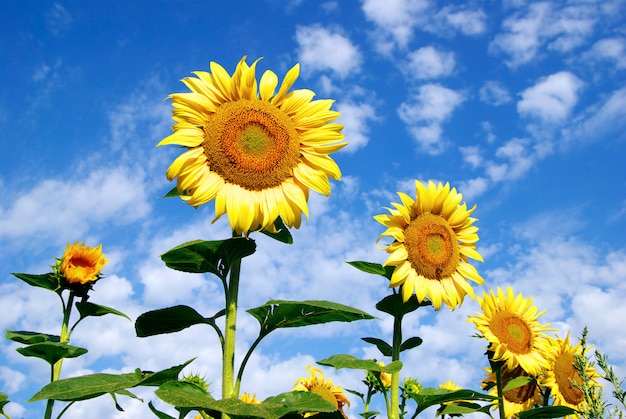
(562, 373)
(434, 237)
(509, 323)
(254, 150)
(316, 383)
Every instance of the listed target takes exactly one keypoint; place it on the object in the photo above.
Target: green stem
(499, 385)
(393, 412)
(228, 367)
(245, 361)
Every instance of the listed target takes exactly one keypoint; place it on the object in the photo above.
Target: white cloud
(425, 112)
(542, 25)
(453, 19)
(58, 20)
(13, 380)
(471, 155)
(494, 93)
(429, 63)
(355, 118)
(552, 98)
(322, 49)
(63, 210)
(610, 49)
(395, 18)
(473, 188)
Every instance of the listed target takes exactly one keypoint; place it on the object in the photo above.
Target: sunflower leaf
(382, 346)
(49, 281)
(282, 235)
(434, 396)
(214, 257)
(393, 304)
(29, 338)
(547, 412)
(158, 413)
(94, 385)
(411, 343)
(277, 314)
(187, 395)
(51, 352)
(518, 382)
(348, 361)
(4, 400)
(373, 268)
(462, 408)
(170, 320)
(173, 193)
(87, 309)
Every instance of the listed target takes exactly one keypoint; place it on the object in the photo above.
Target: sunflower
(81, 264)
(562, 373)
(434, 237)
(254, 150)
(509, 323)
(316, 383)
(251, 399)
(517, 399)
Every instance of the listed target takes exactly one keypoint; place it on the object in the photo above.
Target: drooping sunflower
(252, 149)
(561, 373)
(510, 325)
(82, 264)
(517, 399)
(316, 383)
(434, 237)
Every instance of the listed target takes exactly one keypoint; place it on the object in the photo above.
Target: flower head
(562, 377)
(81, 264)
(434, 237)
(316, 383)
(253, 150)
(517, 399)
(509, 323)
(251, 399)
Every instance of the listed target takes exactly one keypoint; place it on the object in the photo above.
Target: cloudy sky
(520, 105)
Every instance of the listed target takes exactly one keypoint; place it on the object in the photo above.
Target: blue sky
(520, 105)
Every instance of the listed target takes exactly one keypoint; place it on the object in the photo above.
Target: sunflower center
(251, 143)
(520, 394)
(432, 246)
(326, 393)
(564, 372)
(512, 331)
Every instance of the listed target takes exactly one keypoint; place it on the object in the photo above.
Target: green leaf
(52, 352)
(411, 343)
(276, 314)
(48, 281)
(4, 400)
(94, 385)
(170, 320)
(434, 396)
(187, 395)
(393, 304)
(87, 309)
(368, 415)
(350, 362)
(29, 338)
(382, 346)
(283, 234)
(172, 193)
(547, 412)
(158, 413)
(215, 257)
(373, 268)
(463, 408)
(517, 382)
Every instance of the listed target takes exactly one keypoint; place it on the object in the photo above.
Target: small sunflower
(254, 150)
(316, 383)
(562, 372)
(251, 399)
(82, 264)
(434, 237)
(517, 399)
(509, 323)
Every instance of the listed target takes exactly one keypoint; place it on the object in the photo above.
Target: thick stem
(500, 386)
(394, 410)
(228, 367)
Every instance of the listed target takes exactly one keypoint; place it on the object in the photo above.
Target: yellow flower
(450, 385)
(385, 377)
(316, 383)
(561, 373)
(509, 323)
(517, 399)
(254, 150)
(433, 238)
(246, 398)
(81, 264)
